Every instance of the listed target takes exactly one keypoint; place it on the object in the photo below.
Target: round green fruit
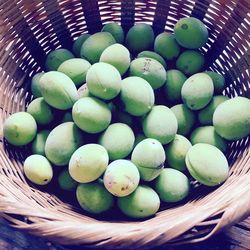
(94, 198)
(207, 164)
(150, 70)
(38, 169)
(149, 157)
(176, 152)
(62, 142)
(172, 185)
(143, 202)
(160, 124)
(88, 163)
(20, 129)
(91, 115)
(197, 91)
(121, 178)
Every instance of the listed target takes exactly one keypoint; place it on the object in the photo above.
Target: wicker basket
(30, 29)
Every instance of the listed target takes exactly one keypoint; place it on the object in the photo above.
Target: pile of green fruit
(134, 129)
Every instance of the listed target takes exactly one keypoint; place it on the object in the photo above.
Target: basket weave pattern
(30, 29)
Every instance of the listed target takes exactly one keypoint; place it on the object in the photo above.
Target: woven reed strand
(31, 29)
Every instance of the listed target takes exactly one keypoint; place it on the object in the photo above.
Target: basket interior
(31, 29)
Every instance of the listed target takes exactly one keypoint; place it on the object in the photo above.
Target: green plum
(231, 118)
(38, 144)
(115, 30)
(176, 152)
(161, 124)
(91, 115)
(218, 81)
(150, 70)
(66, 182)
(153, 55)
(118, 139)
(205, 115)
(41, 111)
(62, 142)
(77, 45)
(121, 178)
(35, 84)
(137, 96)
(56, 58)
(166, 45)
(94, 198)
(208, 135)
(76, 69)
(93, 46)
(149, 157)
(20, 129)
(103, 81)
(172, 185)
(38, 169)
(197, 91)
(58, 90)
(174, 82)
(88, 163)
(191, 33)
(190, 62)
(207, 164)
(118, 56)
(143, 202)
(140, 37)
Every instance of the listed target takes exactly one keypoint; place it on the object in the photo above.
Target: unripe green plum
(142, 203)
(62, 142)
(207, 164)
(218, 81)
(58, 90)
(150, 70)
(118, 56)
(205, 116)
(94, 198)
(56, 58)
(88, 163)
(115, 30)
(176, 152)
(190, 62)
(149, 157)
(38, 144)
(231, 118)
(140, 37)
(185, 118)
(76, 69)
(77, 45)
(91, 115)
(191, 33)
(65, 181)
(174, 82)
(103, 81)
(38, 169)
(41, 111)
(161, 124)
(118, 139)
(172, 185)
(208, 135)
(197, 91)
(83, 91)
(137, 96)
(35, 84)
(153, 55)
(166, 45)
(121, 178)
(93, 47)
(20, 129)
